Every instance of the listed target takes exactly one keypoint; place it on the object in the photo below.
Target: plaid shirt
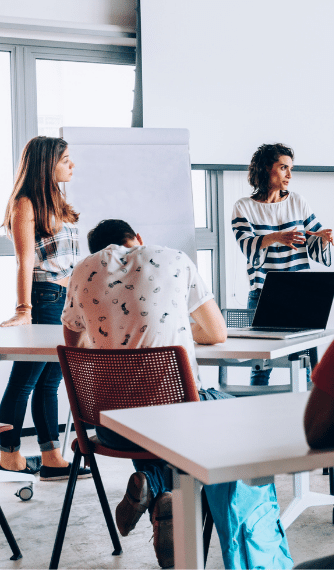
(55, 256)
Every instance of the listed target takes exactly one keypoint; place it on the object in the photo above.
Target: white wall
(238, 74)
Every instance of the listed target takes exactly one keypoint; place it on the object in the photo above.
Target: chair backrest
(98, 380)
(237, 318)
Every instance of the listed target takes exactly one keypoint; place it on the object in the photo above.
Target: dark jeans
(261, 377)
(41, 378)
(157, 473)
(258, 377)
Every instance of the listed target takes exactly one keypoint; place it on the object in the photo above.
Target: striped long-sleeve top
(252, 220)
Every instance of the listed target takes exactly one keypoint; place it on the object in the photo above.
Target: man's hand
(326, 236)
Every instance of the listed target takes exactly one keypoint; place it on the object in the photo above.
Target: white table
(192, 442)
(39, 342)
(274, 354)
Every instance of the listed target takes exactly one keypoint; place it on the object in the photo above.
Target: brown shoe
(162, 520)
(135, 502)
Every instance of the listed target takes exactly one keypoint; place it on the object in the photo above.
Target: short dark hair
(108, 232)
(261, 163)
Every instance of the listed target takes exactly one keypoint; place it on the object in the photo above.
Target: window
(205, 192)
(6, 157)
(54, 82)
(199, 198)
(79, 94)
(204, 262)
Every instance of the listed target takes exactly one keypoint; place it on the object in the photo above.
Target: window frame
(208, 238)
(23, 55)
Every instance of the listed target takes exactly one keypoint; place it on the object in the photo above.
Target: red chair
(98, 380)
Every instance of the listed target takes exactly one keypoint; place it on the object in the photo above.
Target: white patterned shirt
(135, 298)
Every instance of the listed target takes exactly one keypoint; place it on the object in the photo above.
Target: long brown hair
(36, 180)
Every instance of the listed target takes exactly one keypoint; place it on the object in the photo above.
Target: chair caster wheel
(25, 493)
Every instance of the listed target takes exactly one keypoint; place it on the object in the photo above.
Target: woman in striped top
(42, 226)
(276, 229)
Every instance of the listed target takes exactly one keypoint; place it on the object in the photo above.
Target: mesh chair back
(98, 380)
(237, 318)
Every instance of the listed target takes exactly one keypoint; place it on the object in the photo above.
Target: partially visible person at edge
(143, 295)
(319, 424)
(42, 226)
(276, 229)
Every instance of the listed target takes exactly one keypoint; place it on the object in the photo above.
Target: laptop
(291, 304)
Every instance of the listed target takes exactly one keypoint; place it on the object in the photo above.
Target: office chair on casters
(3, 521)
(99, 380)
(234, 318)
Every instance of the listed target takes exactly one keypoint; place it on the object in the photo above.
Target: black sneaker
(34, 463)
(33, 466)
(59, 473)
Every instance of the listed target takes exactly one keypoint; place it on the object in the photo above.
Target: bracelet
(24, 306)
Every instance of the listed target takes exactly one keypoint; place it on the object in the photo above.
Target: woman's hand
(18, 319)
(288, 238)
(326, 236)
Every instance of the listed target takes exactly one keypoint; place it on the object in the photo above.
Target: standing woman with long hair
(42, 226)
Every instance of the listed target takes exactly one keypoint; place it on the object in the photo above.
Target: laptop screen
(295, 300)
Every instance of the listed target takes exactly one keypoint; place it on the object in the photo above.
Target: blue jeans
(258, 377)
(41, 378)
(261, 377)
(246, 518)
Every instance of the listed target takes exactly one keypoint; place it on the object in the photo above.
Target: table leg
(297, 377)
(304, 498)
(187, 519)
(67, 432)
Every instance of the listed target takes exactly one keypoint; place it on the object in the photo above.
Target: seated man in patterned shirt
(134, 296)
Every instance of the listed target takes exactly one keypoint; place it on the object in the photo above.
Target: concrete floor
(87, 543)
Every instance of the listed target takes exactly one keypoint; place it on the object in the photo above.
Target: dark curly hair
(260, 166)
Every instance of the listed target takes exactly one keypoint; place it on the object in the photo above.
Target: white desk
(270, 354)
(39, 342)
(264, 354)
(183, 442)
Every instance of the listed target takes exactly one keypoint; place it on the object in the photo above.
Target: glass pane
(204, 263)
(199, 197)
(7, 263)
(6, 156)
(80, 94)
